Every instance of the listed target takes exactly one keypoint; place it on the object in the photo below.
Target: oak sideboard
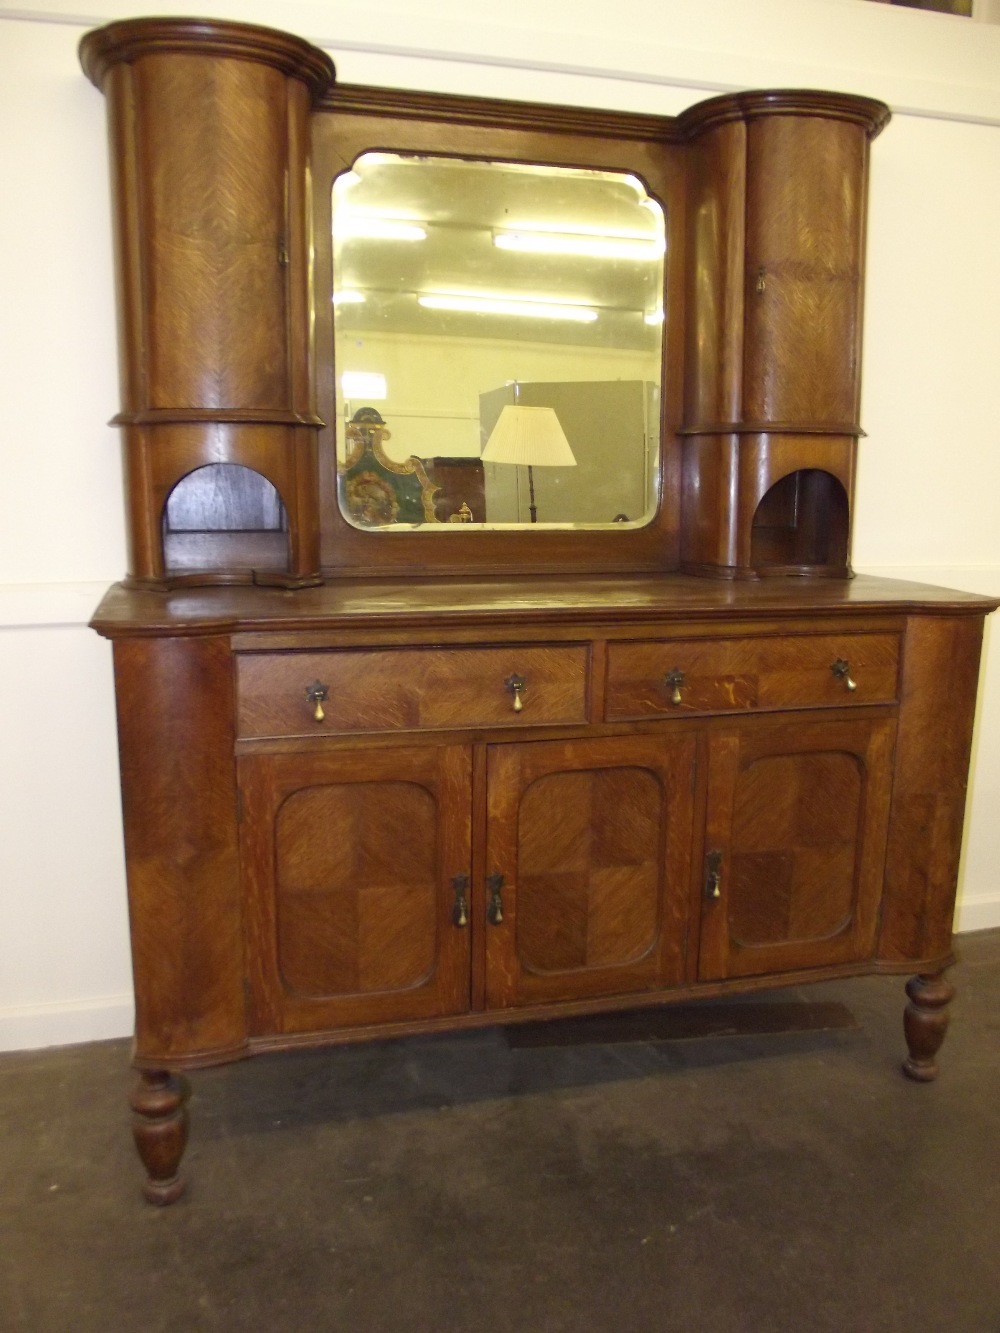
(621, 727)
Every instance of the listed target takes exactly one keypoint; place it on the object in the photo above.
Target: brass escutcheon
(494, 910)
(516, 685)
(842, 670)
(674, 680)
(315, 694)
(460, 912)
(713, 875)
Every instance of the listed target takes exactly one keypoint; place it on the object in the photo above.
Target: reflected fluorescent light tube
(595, 247)
(379, 229)
(349, 297)
(653, 317)
(485, 305)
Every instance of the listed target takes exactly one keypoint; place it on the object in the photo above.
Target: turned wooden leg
(925, 1022)
(160, 1128)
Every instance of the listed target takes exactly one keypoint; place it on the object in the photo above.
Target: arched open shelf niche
(802, 526)
(224, 519)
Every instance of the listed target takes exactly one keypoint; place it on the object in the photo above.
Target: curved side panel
(175, 737)
(940, 670)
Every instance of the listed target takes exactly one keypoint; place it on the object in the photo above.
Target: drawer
(731, 675)
(409, 689)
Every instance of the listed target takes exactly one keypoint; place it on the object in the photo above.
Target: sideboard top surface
(392, 603)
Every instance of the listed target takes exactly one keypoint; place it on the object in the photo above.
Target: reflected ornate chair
(377, 490)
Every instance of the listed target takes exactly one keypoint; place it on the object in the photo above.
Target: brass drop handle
(674, 680)
(713, 875)
(316, 693)
(842, 670)
(460, 912)
(494, 909)
(516, 685)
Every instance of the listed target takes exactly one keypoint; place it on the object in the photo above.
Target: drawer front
(410, 689)
(733, 675)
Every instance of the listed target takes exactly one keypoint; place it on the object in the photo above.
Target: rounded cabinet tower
(209, 128)
(776, 228)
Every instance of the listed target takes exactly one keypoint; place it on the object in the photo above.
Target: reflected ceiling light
(348, 296)
(365, 384)
(573, 243)
(347, 181)
(374, 228)
(653, 317)
(498, 305)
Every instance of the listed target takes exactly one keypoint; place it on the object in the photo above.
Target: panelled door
(356, 865)
(588, 867)
(795, 845)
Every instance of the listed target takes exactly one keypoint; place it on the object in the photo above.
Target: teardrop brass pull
(761, 281)
(460, 912)
(842, 670)
(674, 680)
(494, 910)
(316, 693)
(516, 685)
(713, 875)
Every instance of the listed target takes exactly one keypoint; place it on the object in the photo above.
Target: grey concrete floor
(727, 1185)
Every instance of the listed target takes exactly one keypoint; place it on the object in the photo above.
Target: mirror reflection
(498, 332)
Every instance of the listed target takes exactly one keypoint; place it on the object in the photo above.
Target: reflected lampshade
(529, 436)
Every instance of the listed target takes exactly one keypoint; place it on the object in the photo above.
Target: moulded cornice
(131, 39)
(358, 99)
(872, 115)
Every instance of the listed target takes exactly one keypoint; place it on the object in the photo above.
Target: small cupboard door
(588, 867)
(355, 862)
(795, 846)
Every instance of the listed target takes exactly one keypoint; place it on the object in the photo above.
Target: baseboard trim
(977, 914)
(30, 1027)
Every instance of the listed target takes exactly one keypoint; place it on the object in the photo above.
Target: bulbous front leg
(160, 1128)
(925, 1022)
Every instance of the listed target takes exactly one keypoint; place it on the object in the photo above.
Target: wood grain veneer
(423, 856)
(410, 689)
(772, 672)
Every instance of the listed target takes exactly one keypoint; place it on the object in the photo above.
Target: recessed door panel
(796, 827)
(355, 888)
(591, 840)
(589, 869)
(352, 863)
(796, 834)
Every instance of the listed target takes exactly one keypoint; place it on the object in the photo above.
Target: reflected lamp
(529, 437)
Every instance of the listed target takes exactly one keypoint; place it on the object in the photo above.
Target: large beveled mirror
(498, 344)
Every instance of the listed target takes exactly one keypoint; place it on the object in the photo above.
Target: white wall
(927, 503)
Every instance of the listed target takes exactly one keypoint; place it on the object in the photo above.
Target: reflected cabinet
(489, 648)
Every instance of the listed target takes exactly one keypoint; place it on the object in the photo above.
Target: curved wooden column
(776, 220)
(209, 137)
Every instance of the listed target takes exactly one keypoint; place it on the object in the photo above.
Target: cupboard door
(804, 245)
(350, 861)
(592, 841)
(795, 846)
